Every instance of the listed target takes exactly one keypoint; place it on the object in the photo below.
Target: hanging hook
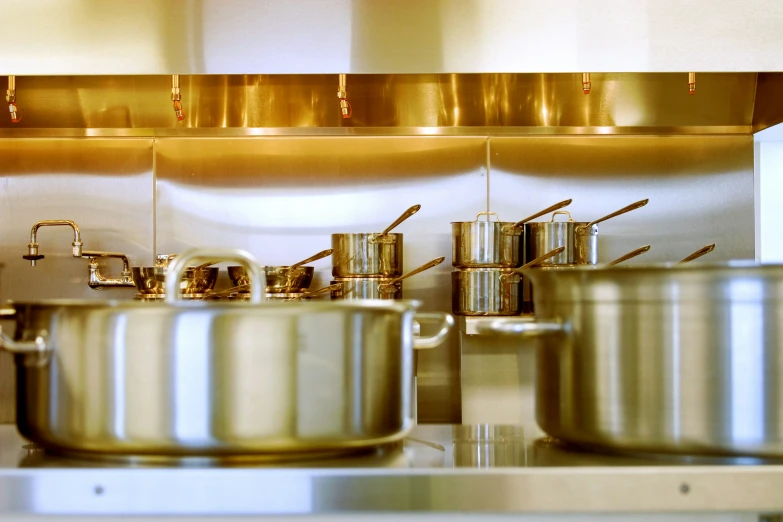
(176, 97)
(586, 85)
(10, 97)
(692, 83)
(342, 95)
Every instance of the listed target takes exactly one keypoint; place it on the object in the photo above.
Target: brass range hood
(397, 104)
(236, 67)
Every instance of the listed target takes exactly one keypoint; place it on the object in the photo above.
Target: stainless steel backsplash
(282, 197)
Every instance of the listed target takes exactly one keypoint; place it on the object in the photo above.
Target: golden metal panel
(700, 189)
(281, 198)
(619, 103)
(768, 106)
(61, 37)
(105, 185)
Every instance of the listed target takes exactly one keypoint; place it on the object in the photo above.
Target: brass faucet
(10, 97)
(98, 280)
(32, 248)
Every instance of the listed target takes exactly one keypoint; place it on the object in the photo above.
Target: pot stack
(485, 254)
(367, 265)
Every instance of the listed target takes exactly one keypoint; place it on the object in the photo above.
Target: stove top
(480, 446)
(440, 468)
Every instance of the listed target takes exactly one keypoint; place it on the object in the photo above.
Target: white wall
(768, 171)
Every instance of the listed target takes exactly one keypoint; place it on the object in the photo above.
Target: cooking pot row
(500, 244)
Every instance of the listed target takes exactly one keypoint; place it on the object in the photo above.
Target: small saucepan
(282, 279)
(580, 239)
(370, 254)
(352, 288)
(491, 244)
(490, 291)
(150, 281)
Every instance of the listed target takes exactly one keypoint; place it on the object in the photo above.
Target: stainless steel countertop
(439, 468)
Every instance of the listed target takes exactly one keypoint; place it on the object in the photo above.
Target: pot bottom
(52, 457)
(687, 451)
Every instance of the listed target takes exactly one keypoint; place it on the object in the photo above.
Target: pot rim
(400, 306)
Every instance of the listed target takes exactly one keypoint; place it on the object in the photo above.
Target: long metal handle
(700, 252)
(180, 264)
(422, 268)
(447, 323)
(405, 215)
(319, 291)
(36, 346)
(630, 255)
(536, 261)
(522, 326)
(320, 255)
(624, 210)
(228, 291)
(556, 206)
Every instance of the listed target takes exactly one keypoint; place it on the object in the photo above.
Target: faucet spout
(32, 248)
(98, 280)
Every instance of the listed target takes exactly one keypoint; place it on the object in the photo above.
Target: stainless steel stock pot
(684, 359)
(214, 378)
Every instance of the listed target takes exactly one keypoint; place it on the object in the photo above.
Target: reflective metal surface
(503, 472)
(486, 244)
(353, 288)
(396, 104)
(367, 255)
(104, 185)
(544, 236)
(279, 278)
(362, 36)
(189, 379)
(700, 189)
(681, 359)
(486, 291)
(151, 280)
(286, 196)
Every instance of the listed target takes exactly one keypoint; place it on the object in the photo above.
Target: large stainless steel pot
(579, 238)
(218, 379)
(683, 359)
(491, 244)
(370, 254)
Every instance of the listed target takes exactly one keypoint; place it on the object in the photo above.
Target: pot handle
(177, 268)
(446, 321)
(561, 213)
(36, 346)
(526, 327)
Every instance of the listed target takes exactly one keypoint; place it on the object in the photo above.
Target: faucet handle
(32, 258)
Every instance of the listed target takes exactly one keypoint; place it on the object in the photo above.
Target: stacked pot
(369, 265)
(580, 239)
(486, 254)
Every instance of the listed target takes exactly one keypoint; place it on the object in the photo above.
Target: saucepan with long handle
(370, 254)
(488, 243)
